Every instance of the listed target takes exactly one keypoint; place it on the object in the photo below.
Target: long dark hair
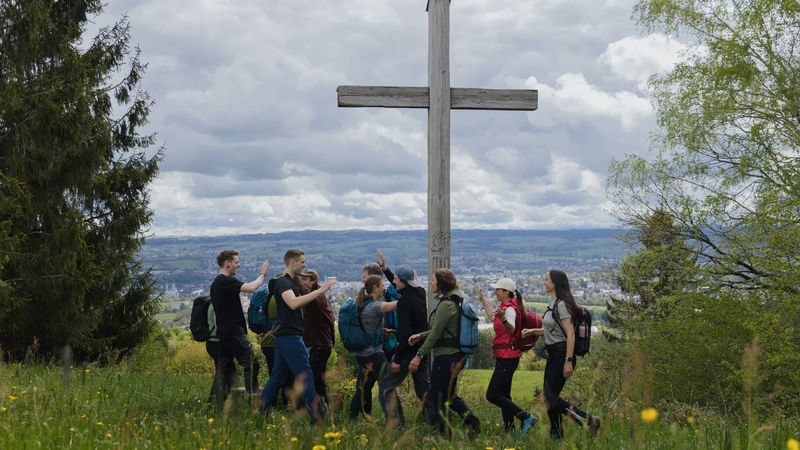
(520, 302)
(563, 291)
(366, 292)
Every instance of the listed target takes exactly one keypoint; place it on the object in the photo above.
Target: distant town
(185, 267)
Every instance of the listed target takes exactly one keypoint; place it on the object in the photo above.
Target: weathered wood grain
(419, 97)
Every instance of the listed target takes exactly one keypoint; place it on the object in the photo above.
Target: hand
(414, 364)
(387, 331)
(480, 291)
(264, 268)
(413, 339)
(567, 369)
(526, 332)
(500, 314)
(395, 368)
(327, 284)
(415, 276)
(381, 262)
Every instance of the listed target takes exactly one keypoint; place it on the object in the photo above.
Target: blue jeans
(291, 355)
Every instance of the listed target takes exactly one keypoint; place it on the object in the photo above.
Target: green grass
(167, 316)
(42, 406)
(526, 385)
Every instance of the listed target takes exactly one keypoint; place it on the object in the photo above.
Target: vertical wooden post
(438, 138)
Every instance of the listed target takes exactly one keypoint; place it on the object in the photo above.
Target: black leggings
(444, 379)
(499, 391)
(553, 384)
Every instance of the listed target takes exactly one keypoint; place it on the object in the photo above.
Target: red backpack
(529, 320)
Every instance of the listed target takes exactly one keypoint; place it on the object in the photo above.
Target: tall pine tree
(73, 181)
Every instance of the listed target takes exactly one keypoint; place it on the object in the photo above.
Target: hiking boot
(594, 424)
(527, 424)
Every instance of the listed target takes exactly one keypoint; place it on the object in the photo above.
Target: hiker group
(388, 329)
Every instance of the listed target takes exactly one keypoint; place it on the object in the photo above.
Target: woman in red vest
(505, 347)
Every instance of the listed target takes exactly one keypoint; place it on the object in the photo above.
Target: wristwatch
(504, 321)
(420, 355)
(570, 358)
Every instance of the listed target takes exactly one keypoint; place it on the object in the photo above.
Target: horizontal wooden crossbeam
(419, 97)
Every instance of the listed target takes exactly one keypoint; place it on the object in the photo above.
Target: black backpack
(198, 324)
(583, 329)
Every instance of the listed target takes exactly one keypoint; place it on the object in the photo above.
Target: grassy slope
(114, 408)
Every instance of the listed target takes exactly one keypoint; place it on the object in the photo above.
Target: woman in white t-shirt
(559, 339)
(507, 351)
(371, 361)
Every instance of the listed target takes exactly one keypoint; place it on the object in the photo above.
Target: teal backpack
(351, 331)
(262, 315)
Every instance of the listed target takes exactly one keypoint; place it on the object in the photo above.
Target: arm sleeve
(404, 318)
(511, 316)
(438, 324)
(232, 284)
(389, 276)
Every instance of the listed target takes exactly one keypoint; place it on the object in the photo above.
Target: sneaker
(527, 424)
(594, 424)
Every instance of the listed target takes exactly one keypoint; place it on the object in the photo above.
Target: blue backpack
(262, 315)
(351, 331)
(466, 339)
(390, 341)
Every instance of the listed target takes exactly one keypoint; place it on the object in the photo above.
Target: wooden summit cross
(439, 99)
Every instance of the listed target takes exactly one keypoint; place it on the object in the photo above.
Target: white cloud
(637, 58)
(246, 105)
(574, 99)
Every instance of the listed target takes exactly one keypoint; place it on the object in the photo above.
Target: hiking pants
(392, 407)
(288, 385)
(553, 384)
(291, 356)
(444, 379)
(239, 348)
(318, 360)
(371, 369)
(499, 391)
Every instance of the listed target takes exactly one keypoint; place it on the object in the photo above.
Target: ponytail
(365, 292)
(520, 303)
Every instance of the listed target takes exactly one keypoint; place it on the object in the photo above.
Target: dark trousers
(212, 347)
(318, 360)
(444, 379)
(392, 407)
(291, 356)
(288, 386)
(553, 384)
(370, 370)
(240, 349)
(499, 391)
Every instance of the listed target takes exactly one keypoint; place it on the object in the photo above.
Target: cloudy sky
(245, 95)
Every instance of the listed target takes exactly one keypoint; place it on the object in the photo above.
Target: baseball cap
(504, 283)
(407, 273)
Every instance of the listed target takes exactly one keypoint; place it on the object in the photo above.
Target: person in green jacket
(441, 341)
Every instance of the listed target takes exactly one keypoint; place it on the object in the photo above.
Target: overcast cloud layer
(245, 97)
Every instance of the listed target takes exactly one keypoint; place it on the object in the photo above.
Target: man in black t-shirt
(231, 325)
(291, 354)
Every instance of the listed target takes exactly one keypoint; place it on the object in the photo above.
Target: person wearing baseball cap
(506, 350)
(412, 319)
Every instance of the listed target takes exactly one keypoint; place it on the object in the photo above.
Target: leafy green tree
(725, 163)
(73, 179)
(662, 266)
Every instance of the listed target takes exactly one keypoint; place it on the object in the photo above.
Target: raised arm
(294, 302)
(387, 307)
(486, 307)
(251, 287)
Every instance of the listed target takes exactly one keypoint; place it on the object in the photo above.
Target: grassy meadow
(164, 405)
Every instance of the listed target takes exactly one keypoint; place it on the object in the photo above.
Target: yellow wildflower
(649, 414)
(294, 439)
(24, 392)
(332, 435)
(690, 420)
(12, 397)
(318, 447)
(793, 444)
(210, 420)
(100, 423)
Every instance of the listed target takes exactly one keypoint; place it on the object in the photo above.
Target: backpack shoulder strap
(556, 316)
